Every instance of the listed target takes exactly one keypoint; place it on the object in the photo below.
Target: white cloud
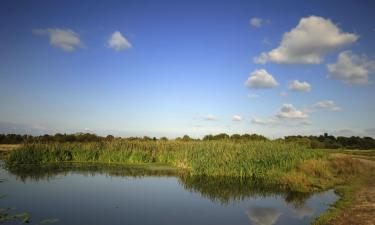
(261, 79)
(276, 121)
(65, 39)
(118, 42)
(351, 68)
(237, 118)
(328, 105)
(210, 117)
(288, 111)
(308, 42)
(268, 121)
(283, 94)
(296, 85)
(256, 22)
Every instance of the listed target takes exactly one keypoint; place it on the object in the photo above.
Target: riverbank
(357, 199)
(286, 165)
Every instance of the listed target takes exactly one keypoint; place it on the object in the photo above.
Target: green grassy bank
(286, 164)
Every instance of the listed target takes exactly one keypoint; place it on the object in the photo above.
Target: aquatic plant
(257, 159)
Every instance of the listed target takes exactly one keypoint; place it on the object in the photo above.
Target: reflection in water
(263, 215)
(152, 196)
(50, 171)
(223, 190)
(228, 189)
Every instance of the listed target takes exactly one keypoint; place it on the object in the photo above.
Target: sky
(168, 68)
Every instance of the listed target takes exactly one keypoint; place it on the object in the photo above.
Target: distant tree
(222, 136)
(209, 137)
(146, 138)
(163, 139)
(235, 137)
(186, 138)
(109, 138)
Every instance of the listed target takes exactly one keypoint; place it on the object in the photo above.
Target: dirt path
(362, 212)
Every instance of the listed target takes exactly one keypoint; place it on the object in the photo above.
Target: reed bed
(256, 159)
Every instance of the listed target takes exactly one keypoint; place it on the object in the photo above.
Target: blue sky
(167, 68)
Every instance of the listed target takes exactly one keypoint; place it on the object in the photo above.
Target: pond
(76, 194)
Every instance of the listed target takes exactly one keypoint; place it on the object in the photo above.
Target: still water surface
(98, 195)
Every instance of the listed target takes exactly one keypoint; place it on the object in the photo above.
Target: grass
(364, 154)
(347, 192)
(5, 149)
(274, 163)
(214, 158)
(289, 165)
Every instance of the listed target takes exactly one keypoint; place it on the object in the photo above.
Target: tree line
(314, 142)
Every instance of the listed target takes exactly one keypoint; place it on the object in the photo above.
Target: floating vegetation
(6, 215)
(49, 221)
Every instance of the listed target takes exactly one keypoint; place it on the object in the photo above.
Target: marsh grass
(217, 158)
(275, 162)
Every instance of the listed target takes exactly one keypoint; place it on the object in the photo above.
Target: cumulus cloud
(288, 111)
(296, 85)
(327, 105)
(210, 117)
(65, 39)
(237, 118)
(256, 22)
(118, 42)
(351, 68)
(261, 79)
(287, 115)
(308, 42)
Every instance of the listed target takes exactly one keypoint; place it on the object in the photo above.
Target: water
(82, 194)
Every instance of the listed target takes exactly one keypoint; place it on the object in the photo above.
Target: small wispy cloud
(210, 117)
(256, 22)
(237, 118)
(327, 105)
(118, 42)
(64, 39)
(288, 111)
(297, 85)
